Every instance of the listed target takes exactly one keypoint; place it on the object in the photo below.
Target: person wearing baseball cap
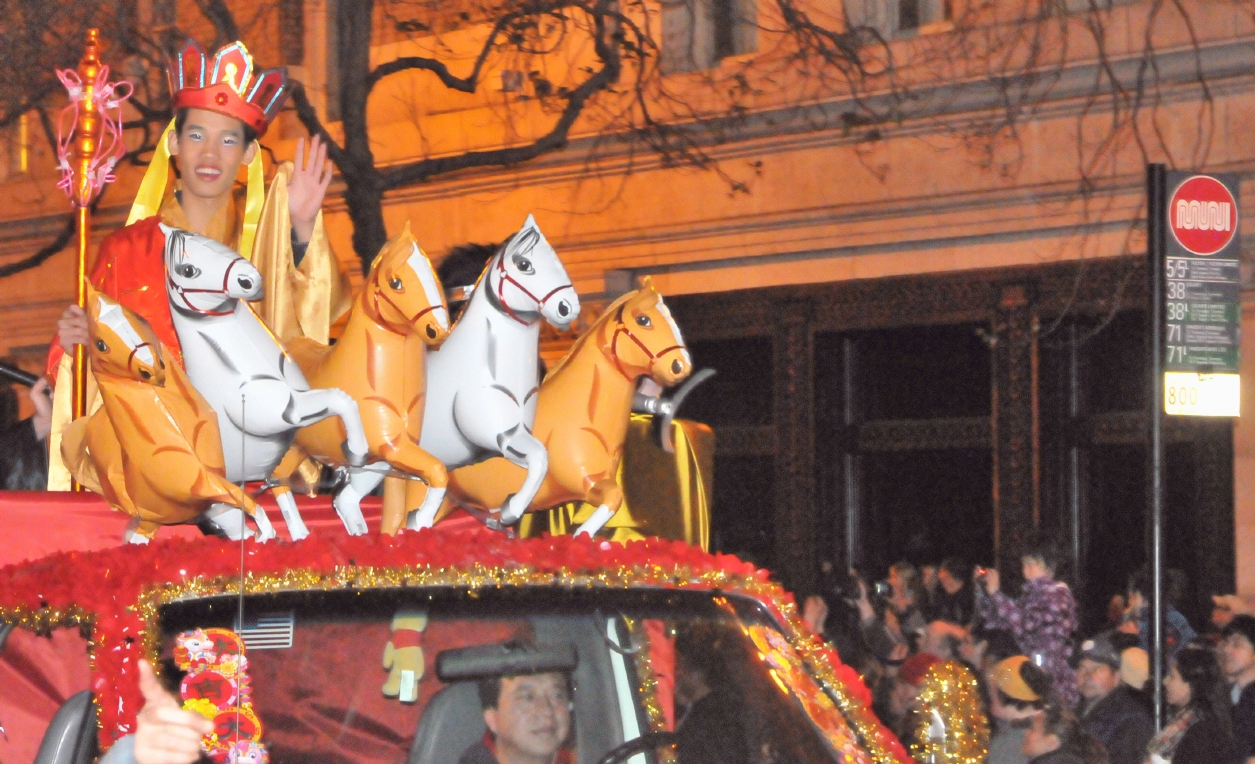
(1018, 691)
(1109, 708)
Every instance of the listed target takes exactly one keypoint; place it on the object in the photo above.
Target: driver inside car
(528, 719)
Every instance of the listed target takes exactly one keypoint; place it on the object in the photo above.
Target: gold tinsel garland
(949, 696)
(648, 689)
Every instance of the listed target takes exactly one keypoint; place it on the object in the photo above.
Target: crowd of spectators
(1049, 693)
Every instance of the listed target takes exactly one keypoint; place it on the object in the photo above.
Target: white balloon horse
(235, 362)
(482, 382)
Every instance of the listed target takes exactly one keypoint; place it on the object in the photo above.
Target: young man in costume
(222, 106)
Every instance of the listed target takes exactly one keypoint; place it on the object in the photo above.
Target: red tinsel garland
(105, 588)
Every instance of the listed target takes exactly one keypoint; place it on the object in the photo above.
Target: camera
(847, 587)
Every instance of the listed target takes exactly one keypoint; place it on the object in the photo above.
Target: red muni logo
(1203, 215)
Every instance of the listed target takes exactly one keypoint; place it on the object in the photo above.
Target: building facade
(926, 347)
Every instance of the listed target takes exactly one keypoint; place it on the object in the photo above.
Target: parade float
(568, 514)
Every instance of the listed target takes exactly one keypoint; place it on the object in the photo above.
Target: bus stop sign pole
(1157, 220)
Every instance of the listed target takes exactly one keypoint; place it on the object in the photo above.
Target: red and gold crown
(227, 84)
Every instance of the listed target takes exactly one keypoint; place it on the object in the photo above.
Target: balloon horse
(152, 450)
(482, 382)
(583, 410)
(234, 360)
(379, 360)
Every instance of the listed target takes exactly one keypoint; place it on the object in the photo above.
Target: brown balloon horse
(379, 361)
(583, 409)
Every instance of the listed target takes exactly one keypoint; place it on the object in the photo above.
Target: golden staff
(88, 151)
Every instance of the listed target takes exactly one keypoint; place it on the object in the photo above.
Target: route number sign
(1202, 296)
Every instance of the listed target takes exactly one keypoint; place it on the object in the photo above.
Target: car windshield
(393, 676)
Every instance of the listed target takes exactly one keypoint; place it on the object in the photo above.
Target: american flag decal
(267, 631)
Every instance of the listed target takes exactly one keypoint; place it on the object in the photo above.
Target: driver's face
(532, 717)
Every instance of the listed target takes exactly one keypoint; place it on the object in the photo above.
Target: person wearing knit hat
(905, 688)
(1110, 710)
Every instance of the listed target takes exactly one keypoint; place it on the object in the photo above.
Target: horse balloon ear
(647, 285)
(530, 223)
(396, 249)
(96, 302)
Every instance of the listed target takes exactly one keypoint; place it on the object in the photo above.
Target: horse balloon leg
(132, 534)
(425, 515)
(274, 408)
(348, 501)
(283, 494)
(230, 520)
(608, 497)
(406, 456)
(525, 451)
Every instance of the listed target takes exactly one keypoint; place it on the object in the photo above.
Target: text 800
(1182, 396)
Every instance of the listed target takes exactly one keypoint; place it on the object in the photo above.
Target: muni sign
(1201, 304)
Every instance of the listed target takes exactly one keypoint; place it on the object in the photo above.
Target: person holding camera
(1042, 619)
(895, 618)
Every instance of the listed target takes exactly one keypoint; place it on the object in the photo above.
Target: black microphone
(14, 374)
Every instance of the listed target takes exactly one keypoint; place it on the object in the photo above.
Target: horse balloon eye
(431, 332)
(188, 271)
(145, 374)
(524, 265)
(101, 346)
(644, 321)
(395, 283)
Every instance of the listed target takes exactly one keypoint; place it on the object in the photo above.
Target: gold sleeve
(304, 301)
(62, 414)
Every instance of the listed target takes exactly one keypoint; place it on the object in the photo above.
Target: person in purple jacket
(1042, 619)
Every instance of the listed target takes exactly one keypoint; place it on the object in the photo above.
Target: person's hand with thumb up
(166, 734)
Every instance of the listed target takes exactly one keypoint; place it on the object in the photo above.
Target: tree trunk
(364, 192)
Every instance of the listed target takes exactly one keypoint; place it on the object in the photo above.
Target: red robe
(131, 269)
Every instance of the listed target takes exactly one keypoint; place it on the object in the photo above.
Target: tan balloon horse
(583, 409)
(153, 448)
(380, 362)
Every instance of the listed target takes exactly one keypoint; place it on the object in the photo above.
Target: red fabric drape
(37, 675)
(39, 523)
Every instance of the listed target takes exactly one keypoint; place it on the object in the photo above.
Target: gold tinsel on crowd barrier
(949, 724)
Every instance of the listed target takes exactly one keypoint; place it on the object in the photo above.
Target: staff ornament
(89, 146)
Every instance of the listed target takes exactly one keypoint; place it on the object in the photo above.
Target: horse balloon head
(647, 338)
(407, 295)
(122, 343)
(205, 277)
(528, 281)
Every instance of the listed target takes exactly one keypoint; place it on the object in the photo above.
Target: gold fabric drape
(665, 495)
(300, 301)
